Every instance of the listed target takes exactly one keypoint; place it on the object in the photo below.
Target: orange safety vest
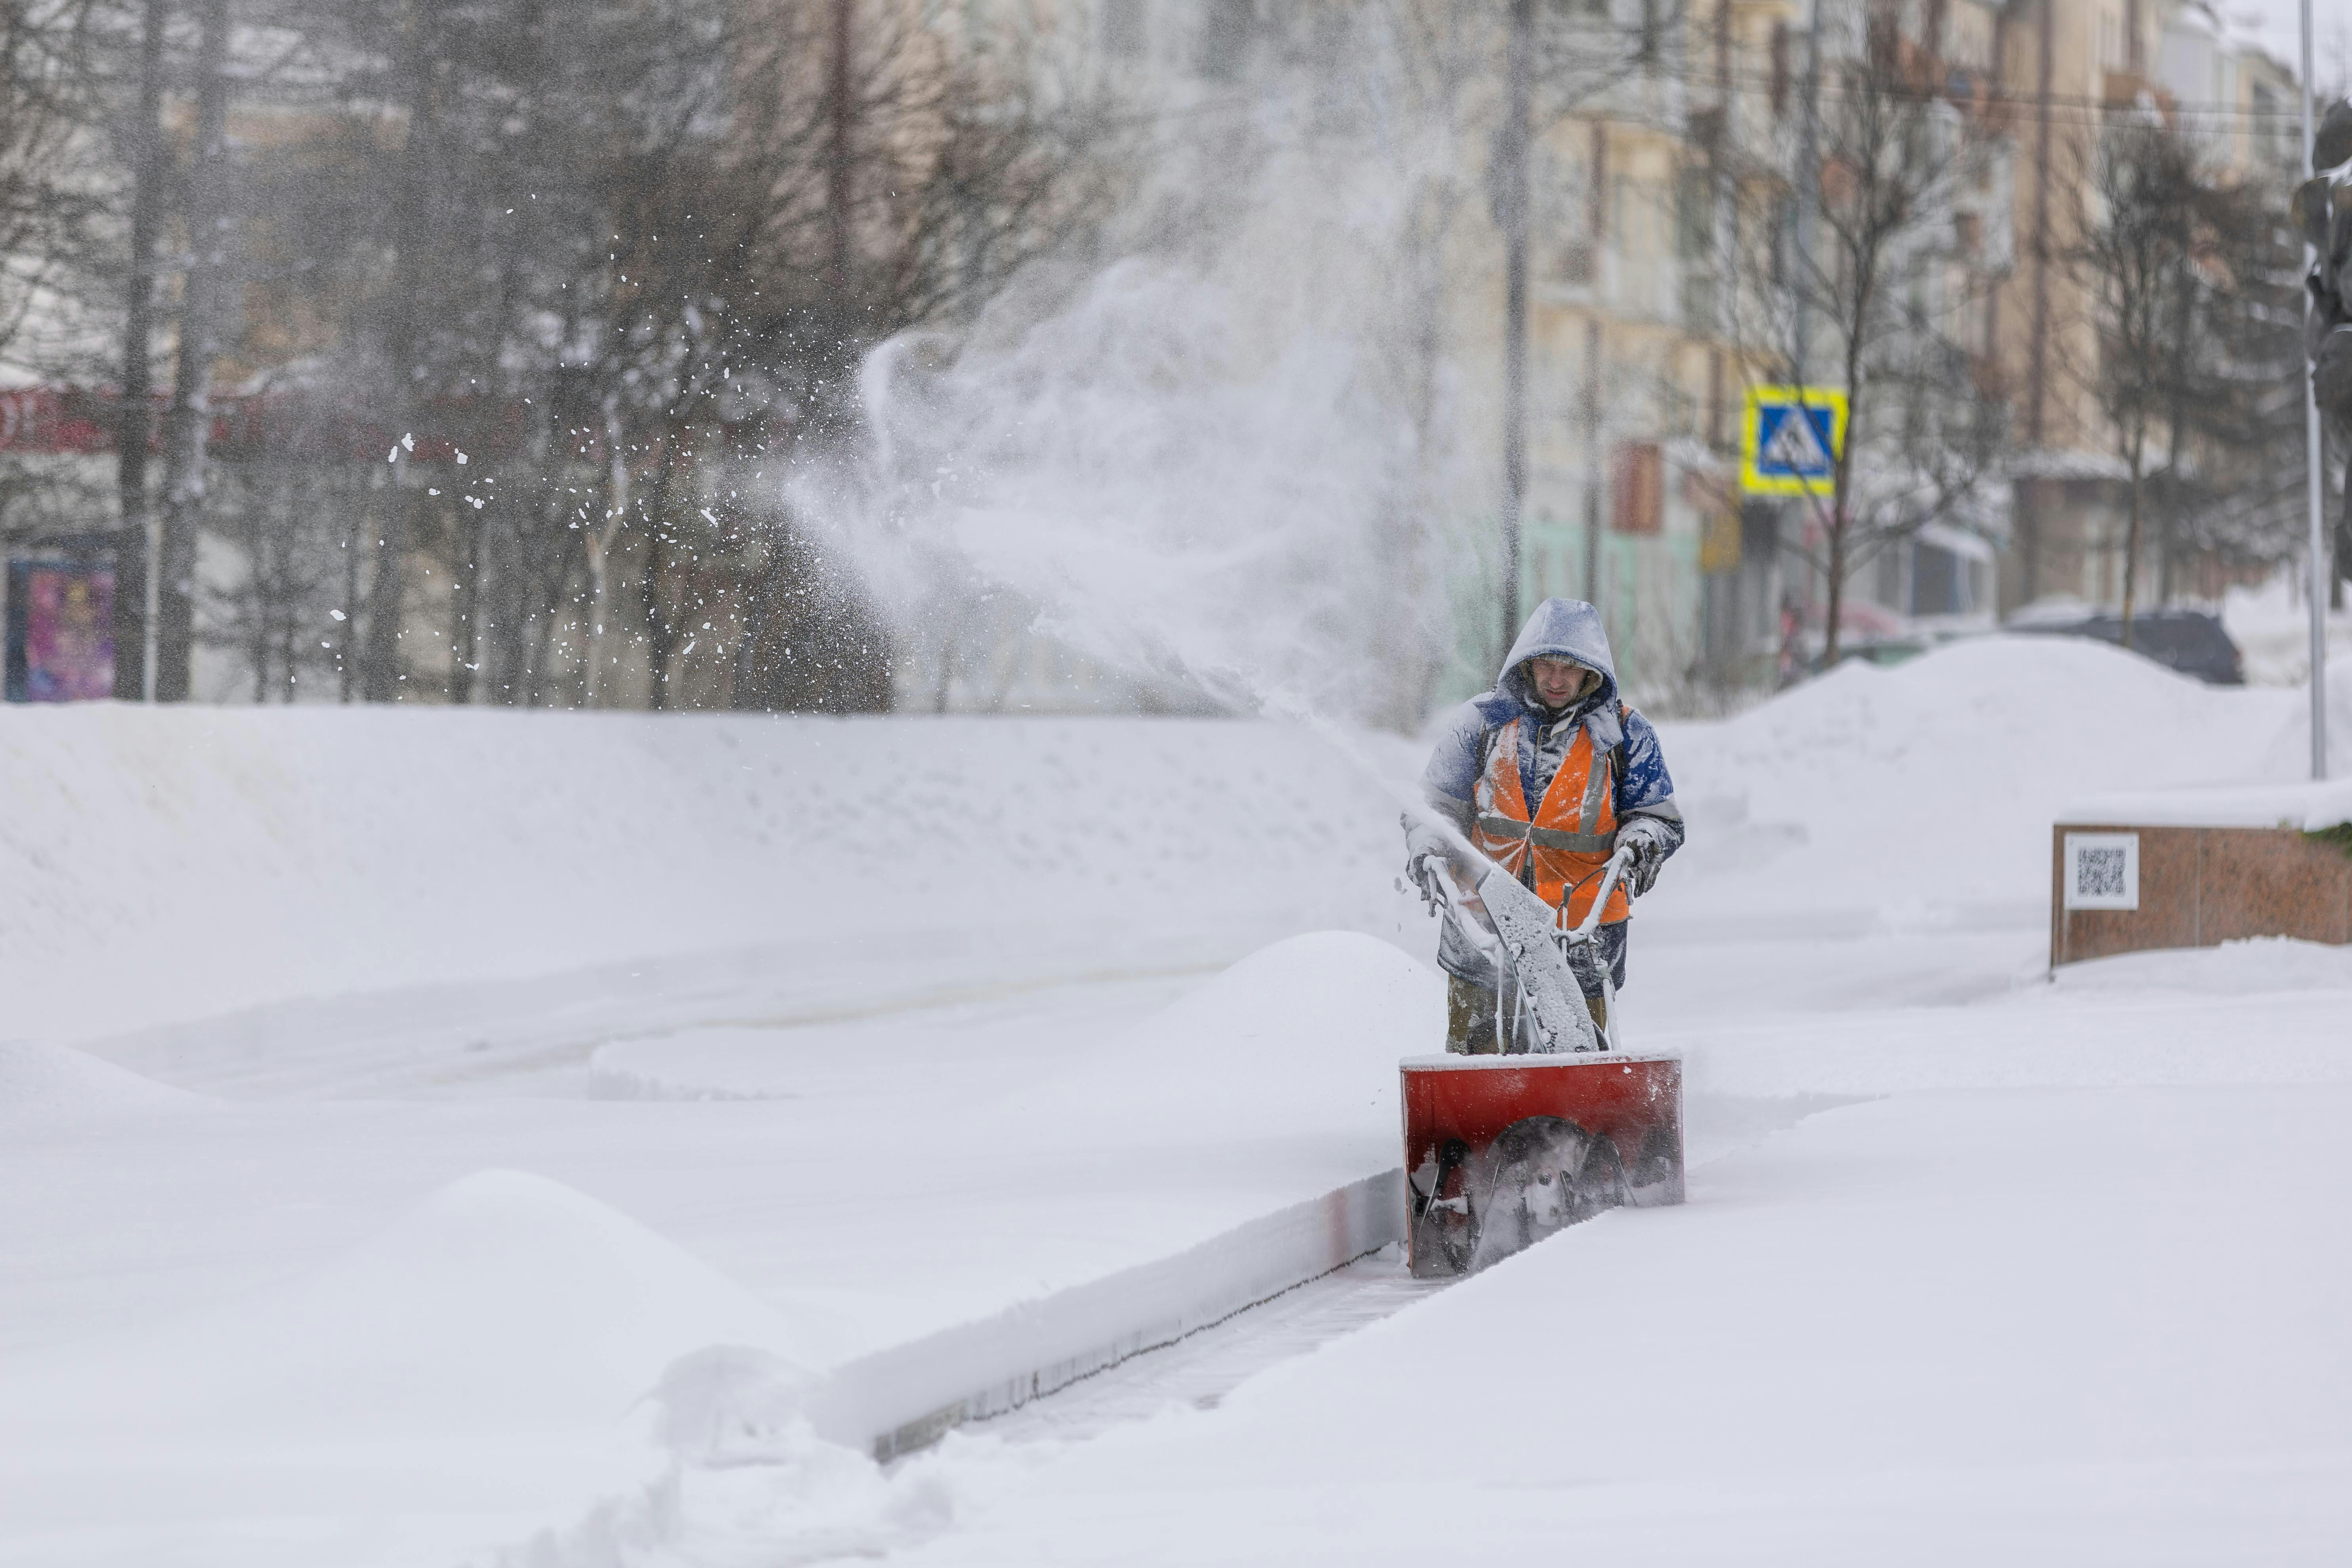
(1571, 836)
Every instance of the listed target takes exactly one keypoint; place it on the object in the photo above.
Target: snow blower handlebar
(1526, 939)
(1582, 931)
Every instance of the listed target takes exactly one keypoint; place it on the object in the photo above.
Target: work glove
(1426, 857)
(1648, 842)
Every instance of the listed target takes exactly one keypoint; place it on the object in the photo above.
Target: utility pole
(2315, 488)
(1809, 197)
(1808, 202)
(1510, 196)
(141, 524)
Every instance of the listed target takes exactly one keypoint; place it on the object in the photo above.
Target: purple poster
(63, 616)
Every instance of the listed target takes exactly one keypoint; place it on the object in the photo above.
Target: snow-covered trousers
(1470, 1007)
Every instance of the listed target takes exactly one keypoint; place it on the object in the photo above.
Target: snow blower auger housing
(1502, 1151)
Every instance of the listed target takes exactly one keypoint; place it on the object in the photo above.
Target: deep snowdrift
(49, 1088)
(475, 1361)
(165, 865)
(1924, 793)
(356, 1332)
(168, 865)
(501, 1303)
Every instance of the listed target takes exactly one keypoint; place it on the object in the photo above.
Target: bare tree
(2189, 276)
(2232, 486)
(1896, 259)
(873, 176)
(2139, 248)
(277, 510)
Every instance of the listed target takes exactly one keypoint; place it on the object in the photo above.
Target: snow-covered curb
(911, 1394)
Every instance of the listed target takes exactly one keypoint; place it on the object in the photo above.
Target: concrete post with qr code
(2183, 868)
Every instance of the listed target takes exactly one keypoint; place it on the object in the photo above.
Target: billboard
(60, 631)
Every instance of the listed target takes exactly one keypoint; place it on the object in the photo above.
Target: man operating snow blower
(1547, 775)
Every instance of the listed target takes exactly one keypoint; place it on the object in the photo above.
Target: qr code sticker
(2102, 871)
(2099, 873)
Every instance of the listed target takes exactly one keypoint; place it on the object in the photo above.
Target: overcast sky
(2276, 23)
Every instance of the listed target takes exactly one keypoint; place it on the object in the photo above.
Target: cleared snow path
(1199, 1370)
(1148, 1364)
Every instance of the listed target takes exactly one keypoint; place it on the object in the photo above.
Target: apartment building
(1664, 172)
(2068, 67)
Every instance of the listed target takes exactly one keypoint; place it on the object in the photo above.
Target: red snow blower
(1502, 1151)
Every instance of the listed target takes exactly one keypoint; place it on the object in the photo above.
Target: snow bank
(1924, 794)
(2258, 966)
(2266, 1012)
(171, 864)
(747, 1481)
(2271, 624)
(500, 1339)
(168, 865)
(1260, 1052)
(46, 1089)
(503, 1303)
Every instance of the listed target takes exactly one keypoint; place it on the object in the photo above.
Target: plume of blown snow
(1222, 464)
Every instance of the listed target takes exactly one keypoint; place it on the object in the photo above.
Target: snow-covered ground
(2271, 624)
(445, 1138)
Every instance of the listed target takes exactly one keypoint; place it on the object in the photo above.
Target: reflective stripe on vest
(1547, 838)
(1560, 849)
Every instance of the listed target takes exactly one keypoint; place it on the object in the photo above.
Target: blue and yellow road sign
(1789, 440)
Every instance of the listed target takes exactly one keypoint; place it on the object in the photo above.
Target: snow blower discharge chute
(1502, 1151)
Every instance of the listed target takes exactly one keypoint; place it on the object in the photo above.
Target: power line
(2089, 109)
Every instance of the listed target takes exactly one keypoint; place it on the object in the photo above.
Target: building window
(1938, 582)
(1637, 488)
(1124, 24)
(1225, 35)
(1697, 303)
(1695, 214)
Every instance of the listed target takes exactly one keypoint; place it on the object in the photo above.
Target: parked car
(1878, 650)
(2190, 641)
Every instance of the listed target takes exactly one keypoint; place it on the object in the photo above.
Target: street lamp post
(2316, 490)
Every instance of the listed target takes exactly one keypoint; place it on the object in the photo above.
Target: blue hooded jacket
(1560, 628)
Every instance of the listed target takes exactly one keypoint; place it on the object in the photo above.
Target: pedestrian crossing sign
(1789, 440)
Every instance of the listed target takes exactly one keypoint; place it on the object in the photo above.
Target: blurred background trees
(523, 353)
(2191, 276)
(467, 325)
